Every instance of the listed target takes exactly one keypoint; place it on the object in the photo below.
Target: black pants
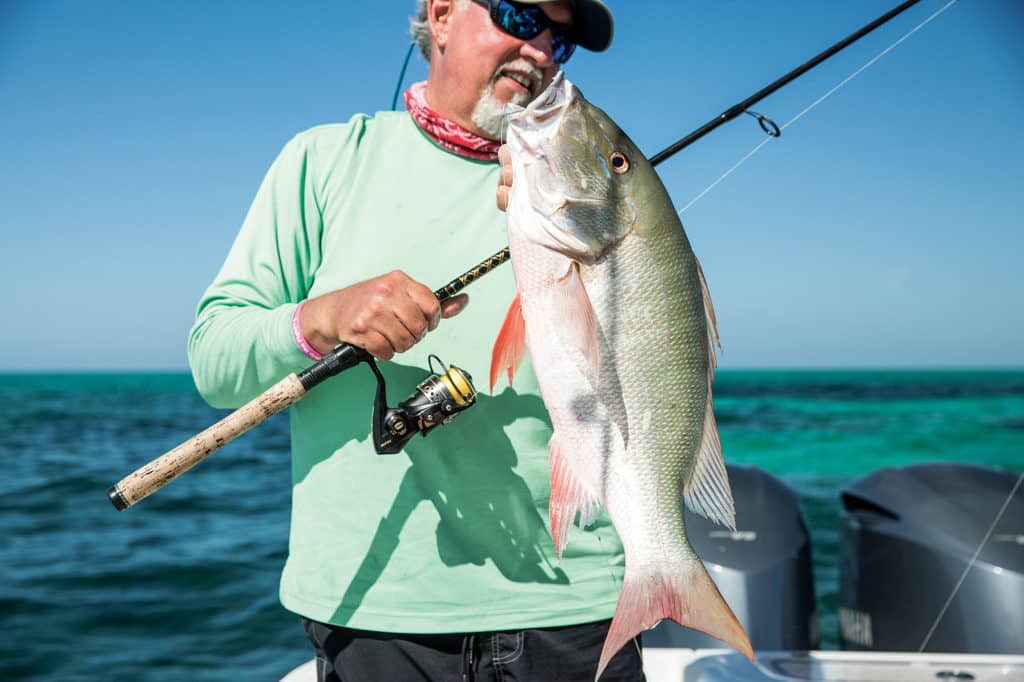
(559, 654)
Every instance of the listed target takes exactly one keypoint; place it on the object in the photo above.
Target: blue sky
(882, 229)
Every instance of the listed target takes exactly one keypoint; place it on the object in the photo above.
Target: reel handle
(149, 478)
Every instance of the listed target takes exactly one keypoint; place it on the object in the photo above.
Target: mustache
(523, 68)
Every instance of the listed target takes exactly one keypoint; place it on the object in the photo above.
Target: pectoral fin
(568, 496)
(577, 327)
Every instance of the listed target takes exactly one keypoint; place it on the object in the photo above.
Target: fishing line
(401, 76)
(970, 564)
(815, 104)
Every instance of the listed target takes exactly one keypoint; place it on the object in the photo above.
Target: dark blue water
(184, 586)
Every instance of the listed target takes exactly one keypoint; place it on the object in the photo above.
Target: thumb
(453, 306)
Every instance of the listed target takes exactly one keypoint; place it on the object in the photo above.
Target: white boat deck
(725, 665)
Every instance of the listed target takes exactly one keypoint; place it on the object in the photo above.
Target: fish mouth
(544, 114)
(533, 130)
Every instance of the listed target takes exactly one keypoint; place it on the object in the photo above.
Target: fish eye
(619, 162)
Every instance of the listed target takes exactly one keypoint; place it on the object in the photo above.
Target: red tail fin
(689, 598)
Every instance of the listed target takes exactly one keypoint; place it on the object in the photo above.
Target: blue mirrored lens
(527, 22)
(561, 48)
(522, 21)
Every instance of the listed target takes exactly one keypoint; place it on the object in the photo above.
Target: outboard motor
(908, 534)
(763, 569)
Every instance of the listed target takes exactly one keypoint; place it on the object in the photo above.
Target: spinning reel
(436, 401)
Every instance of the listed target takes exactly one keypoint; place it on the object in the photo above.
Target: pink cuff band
(300, 340)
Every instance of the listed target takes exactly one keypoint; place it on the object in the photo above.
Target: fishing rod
(441, 396)
(766, 123)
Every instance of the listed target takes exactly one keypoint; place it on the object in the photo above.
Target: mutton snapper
(613, 307)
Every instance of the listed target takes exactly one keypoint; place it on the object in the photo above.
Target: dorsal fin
(707, 492)
(709, 315)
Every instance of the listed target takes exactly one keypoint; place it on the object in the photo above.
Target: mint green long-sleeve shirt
(452, 535)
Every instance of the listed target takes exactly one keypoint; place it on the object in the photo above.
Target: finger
(502, 198)
(387, 319)
(505, 176)
(455, 305)
(504, 156)
(426, 302)
(411, 324)
(376, 344)
(399, 336)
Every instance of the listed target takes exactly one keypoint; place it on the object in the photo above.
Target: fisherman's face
(495, 68)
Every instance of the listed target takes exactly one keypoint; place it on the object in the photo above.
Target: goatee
(490, 115)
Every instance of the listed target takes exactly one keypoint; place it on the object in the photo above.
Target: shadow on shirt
(486, 509)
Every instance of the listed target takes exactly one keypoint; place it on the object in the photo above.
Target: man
(436, 563)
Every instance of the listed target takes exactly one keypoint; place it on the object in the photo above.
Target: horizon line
(6, 371)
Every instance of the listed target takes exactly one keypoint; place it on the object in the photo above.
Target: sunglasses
(529, 21)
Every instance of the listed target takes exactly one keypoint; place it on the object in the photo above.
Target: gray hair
(419, 27)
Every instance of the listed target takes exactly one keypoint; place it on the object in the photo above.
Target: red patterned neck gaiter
(445, 131)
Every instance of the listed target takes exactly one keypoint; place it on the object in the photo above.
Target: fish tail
(688, 597)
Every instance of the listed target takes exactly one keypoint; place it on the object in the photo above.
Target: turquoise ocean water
(184, 586)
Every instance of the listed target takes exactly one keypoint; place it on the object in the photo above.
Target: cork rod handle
(167, 467)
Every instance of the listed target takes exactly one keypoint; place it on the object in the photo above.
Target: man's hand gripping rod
(148, 479)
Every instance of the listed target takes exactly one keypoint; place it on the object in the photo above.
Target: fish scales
(613, 308)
